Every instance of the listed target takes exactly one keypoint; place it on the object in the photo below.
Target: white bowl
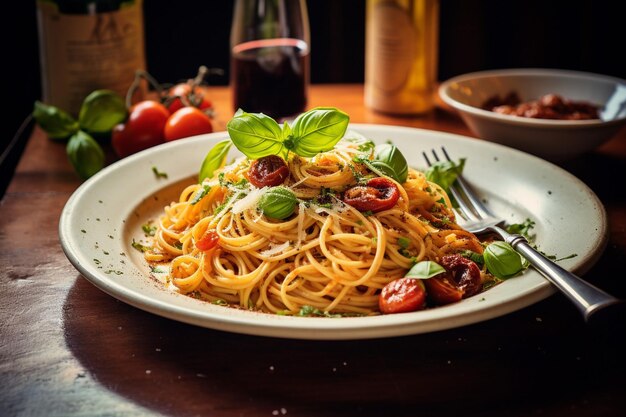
(550, 139)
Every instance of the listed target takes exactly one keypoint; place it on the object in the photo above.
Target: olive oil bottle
(401, 55)
(87, 45)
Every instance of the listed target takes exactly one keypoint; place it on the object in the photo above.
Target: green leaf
(502, 260)
(215, 159)
(444, 173)
(85, 154)
(255, 134)
(278, 203)
(391, 162)
(522, 229)
(57, 123)
(318, 130)
(425, 270)
(101, 111)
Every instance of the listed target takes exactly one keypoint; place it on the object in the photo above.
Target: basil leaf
(425, 270)
(390, 160)
(85, 154)
(101, 111)
(278, 203)
(317, 130)
(255, 134)
(502, 260)
(215, 159)
(57, 123)
(444, 173)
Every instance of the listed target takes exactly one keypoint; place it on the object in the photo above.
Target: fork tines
(470, 206)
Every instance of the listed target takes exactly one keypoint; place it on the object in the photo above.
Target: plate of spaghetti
(323, 229)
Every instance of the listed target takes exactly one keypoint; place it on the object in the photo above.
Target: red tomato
(268, 171)
(197, 98)
(441, 291)
(402, 295)
(377, 195)
(208, 241)
(188, 121)
(143, 129)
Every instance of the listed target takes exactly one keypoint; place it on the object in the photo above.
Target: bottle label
(84, 52)
(393, 47)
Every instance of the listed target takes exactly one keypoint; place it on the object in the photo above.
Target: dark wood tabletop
(69, 349)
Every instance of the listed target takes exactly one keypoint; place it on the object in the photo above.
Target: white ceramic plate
(105, 214)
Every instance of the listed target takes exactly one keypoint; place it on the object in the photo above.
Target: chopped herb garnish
(473, 256)
(83, 231)
(157, 173)
(156, 270)
(139, 246)
(199, 195)
(522, 229)
(310, 311)
(404, 242)
(148, 229)
(368, 213)
(219, 302)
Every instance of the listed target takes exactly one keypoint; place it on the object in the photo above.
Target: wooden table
(68, 349)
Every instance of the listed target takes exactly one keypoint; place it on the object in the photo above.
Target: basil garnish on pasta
(318, 130)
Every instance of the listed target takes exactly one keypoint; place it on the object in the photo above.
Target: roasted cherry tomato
(268, 171)
(188, 121)
(142, 130)
(191, 97)
(461, 280)
(402, 295)
(377, 195)
(208, 241)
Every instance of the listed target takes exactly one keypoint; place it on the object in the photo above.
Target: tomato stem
(139, 75)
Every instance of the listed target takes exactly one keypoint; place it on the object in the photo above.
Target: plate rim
(320, 328)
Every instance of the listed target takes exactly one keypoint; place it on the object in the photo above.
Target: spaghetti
(221, 247)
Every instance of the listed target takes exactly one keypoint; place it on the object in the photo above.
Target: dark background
(474, 35)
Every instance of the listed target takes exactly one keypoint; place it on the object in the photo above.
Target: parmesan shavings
(275, 249)
(250, 201)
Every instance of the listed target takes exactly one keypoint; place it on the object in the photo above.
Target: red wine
(270, 76)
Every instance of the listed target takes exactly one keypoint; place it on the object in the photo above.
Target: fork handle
(587, 298)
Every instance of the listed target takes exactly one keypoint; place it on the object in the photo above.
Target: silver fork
(589, 299)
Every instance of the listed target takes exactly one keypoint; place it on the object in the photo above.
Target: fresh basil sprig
(57, 123)
(388, 161)
(257, 135)
(215, 159)
(101, 111)
(85, 154)
(425, 270)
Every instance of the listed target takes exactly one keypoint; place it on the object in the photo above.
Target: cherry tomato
(402, 295)
(465, 273)
(208, 241)
(268, 171)
(185, 122)
(196, 98)
(377, 195)
(142, 130)
(441, 291)
(461, 280)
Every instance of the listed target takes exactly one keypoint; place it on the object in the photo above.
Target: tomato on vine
(143, 129)
(185, 122)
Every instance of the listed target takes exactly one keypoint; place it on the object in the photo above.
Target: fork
(590, 300)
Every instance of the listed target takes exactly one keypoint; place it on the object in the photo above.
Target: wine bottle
(401, 55)
(87, 45)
